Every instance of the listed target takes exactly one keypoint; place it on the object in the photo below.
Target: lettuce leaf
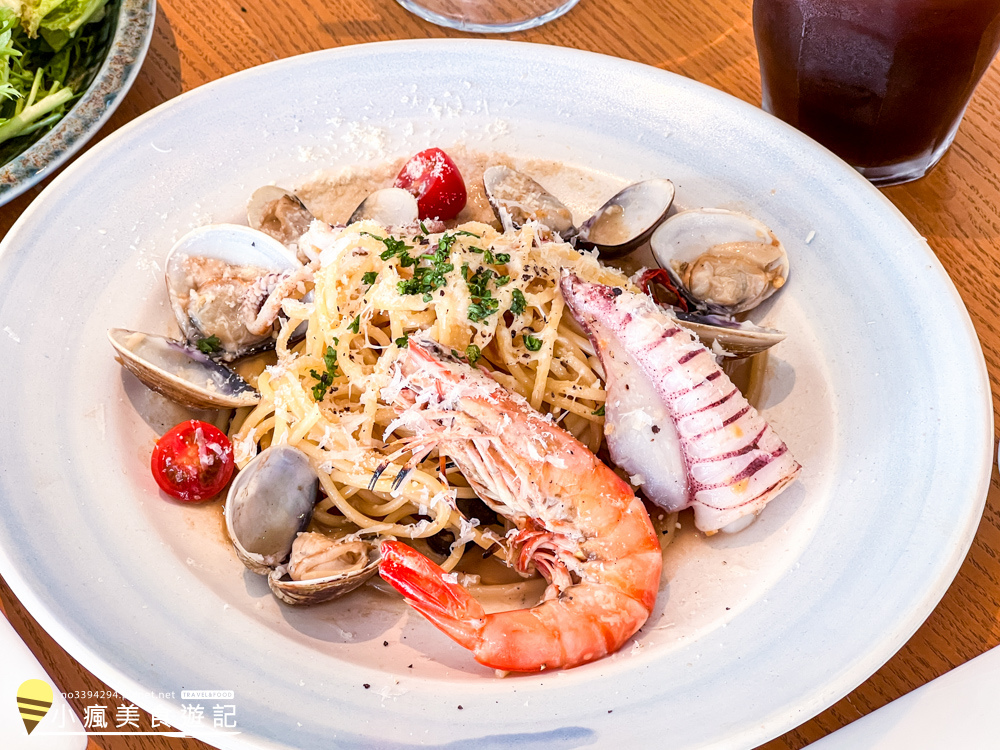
(58, 20)
(40, 75)
(61, 24)
(8, 22)
(33, 11)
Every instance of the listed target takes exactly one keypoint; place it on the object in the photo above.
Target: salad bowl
(92, 90)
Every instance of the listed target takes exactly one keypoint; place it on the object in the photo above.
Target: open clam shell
(279, 213)
(724, 262)
(740, 340)
(389, 207)
(629, 218)
(363, 565)
(210, 273)
(517, 199)
(180, 372)
(270, 503)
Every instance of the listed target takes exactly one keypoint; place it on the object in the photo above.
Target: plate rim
(770, 726)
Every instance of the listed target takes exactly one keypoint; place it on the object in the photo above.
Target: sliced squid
(673, 419)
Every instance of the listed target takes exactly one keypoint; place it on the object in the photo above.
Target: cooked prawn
(578, 523)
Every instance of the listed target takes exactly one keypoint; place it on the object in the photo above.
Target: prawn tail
(425, 587)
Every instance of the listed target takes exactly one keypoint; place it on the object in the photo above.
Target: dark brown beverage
(882, 83)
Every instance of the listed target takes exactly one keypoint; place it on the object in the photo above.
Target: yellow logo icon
(34, 698)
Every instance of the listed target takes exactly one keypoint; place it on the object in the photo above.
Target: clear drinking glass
(881, 83)
(488, 16)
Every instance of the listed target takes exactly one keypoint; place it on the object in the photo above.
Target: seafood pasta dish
(455, 405)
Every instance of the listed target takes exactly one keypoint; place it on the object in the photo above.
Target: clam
(628, 218)
(619, 226)
(218, 277)
(737, 339)
(270, 503)
(517, 199)
(389, 207)
(320, 568)
(225, 284)
(279, 213)
(724, 262)
(180, 372)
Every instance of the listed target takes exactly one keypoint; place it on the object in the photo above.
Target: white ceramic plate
(880, 391)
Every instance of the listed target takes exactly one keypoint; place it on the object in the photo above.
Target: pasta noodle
(493, 297)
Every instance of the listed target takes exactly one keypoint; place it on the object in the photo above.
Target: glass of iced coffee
(881, 83)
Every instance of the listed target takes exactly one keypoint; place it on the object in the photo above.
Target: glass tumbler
(488, 16)
(881, 83)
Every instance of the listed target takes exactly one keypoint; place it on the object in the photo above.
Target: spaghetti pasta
(490, 296)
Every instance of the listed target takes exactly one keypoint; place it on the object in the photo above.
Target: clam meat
(226, 284)
(723, 262)
(279, 213)
(317, 556)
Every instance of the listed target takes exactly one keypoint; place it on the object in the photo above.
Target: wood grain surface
(957, 208)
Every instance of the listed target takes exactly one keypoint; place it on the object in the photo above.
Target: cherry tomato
(193, 461)
(436, 183)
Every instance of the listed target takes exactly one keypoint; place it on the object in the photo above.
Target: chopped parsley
(518, 303)
(484, 308)
(369, 278)
(472, 353)
(478, 284)
(426, 279)
(430, 278)
(355, 325)
(489, 258)
(209, 345)
(402, 340)
(483, 304)
(532, 343)
(394, 247)
(430, 272)
(444, 244)
(599, 412)
(325, 379)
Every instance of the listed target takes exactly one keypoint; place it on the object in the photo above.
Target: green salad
(48, 53)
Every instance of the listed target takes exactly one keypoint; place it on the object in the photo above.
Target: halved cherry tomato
(193, 461)
(436, 183)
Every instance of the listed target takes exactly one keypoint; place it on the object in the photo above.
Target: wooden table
(957, 208)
